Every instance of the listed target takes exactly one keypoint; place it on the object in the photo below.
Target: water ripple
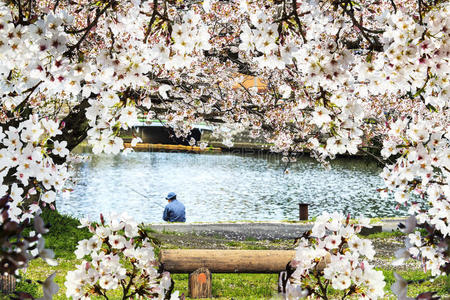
(223, 187)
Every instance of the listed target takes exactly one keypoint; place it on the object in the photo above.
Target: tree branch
(56, 6)
(373, 41)
(86, 30)
(152, 20)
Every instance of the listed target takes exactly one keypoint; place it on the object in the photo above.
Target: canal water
(223, 187)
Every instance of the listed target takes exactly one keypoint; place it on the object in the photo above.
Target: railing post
(7, 284)
(303, 214)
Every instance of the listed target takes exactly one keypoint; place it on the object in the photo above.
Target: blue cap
(171, 195)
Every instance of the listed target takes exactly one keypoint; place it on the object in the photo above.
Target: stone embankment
(255, 230)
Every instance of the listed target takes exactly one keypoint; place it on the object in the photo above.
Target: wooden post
(200, 285)
(303, 211)
(7, 284)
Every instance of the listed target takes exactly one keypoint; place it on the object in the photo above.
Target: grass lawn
(64, 235)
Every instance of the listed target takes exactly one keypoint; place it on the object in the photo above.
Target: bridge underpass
(157, 133)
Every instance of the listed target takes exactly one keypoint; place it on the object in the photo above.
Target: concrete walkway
(258, 230)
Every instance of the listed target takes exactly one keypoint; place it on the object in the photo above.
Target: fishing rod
(139, 193)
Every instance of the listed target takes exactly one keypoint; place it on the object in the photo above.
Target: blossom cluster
(317, 94)
(422, 170)
(264, 38)
(332, 253)
(416, 137)
(416, 57)
(430, 248)
(120, 256)
(32, 60)
(188, 36)
(27, 165)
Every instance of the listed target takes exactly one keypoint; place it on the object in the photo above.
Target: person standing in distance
(174, 210)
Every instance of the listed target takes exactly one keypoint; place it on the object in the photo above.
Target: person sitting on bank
(174, 211)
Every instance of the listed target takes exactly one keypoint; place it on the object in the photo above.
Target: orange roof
(252, 81)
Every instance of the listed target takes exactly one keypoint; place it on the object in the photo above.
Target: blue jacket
(174, 212)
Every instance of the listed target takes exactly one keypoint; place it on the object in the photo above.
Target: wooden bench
(200, 263)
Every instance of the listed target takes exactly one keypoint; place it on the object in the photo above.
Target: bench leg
(282, 280)
(200, 285)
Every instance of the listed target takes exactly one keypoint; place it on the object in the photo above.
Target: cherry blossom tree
(340, 77)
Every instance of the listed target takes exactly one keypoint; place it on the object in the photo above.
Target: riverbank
(64, 236)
